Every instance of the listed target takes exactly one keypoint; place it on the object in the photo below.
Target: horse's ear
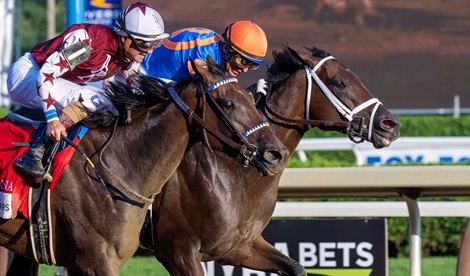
(305, 58)
(214, 67)
(211, 62)
(201, 71)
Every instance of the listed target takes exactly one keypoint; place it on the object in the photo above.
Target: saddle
(19, 194)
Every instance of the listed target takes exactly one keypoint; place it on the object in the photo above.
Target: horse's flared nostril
(387, 124)
(273, 156)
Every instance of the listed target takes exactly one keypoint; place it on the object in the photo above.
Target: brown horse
(94, 232)
(218, 210)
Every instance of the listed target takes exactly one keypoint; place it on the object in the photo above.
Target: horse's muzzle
(386, 130)
(270, 161)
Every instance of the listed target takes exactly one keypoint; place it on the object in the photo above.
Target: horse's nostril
(387, 124)
(273, 155)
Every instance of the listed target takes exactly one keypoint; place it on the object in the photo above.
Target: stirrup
(47, 176)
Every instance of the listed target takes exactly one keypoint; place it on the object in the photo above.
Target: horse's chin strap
(340, 107)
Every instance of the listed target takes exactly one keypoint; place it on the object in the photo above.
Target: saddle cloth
(16, 134)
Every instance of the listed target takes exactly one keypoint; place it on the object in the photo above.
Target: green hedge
(3, 112)
(440, 236)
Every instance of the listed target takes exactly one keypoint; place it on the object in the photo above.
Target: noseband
(353, 133)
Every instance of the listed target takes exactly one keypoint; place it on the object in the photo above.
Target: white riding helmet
(140, 21)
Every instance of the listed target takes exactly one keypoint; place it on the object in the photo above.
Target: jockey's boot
(31, 161)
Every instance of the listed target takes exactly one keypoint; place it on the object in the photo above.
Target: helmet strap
(125, 46)
(227, 52)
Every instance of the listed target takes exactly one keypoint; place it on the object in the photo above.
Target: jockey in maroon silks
(54, 76)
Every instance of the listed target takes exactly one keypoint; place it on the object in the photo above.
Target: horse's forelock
(318, 52)
(284, 65)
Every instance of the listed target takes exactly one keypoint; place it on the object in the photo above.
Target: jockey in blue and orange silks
(242, 47)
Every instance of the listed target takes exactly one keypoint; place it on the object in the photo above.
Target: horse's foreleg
(181, 261)
(260, 255)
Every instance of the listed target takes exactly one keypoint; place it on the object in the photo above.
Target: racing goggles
(145, 46)
(244, 63)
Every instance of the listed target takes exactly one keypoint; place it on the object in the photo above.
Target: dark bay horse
(95, 233)
(218, 211)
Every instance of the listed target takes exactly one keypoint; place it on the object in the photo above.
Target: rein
(247, 150)
(98, 177)
(146, 200)
(310, 122)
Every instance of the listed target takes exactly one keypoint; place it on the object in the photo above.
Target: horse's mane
(285, 63)
(140, 92)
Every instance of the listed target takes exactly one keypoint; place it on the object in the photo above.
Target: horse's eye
(338, 83)
(226, 104)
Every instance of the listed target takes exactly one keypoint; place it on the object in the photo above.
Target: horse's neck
(146, 152)
(290, 104)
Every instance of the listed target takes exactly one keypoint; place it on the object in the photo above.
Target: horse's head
(333, 92)
(233, 113)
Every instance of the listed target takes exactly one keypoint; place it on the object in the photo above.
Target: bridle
(239, 142)
(354, 125)
(340, 107)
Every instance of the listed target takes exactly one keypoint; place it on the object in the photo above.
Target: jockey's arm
(61, 61)
(121, 77)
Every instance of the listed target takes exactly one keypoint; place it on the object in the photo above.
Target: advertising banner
(102, 12)
(416, 150)
(327, 247)
(416, 156)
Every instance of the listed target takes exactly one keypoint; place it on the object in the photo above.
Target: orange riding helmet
(248, 40)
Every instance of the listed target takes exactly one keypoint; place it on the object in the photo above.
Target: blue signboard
(102, 12)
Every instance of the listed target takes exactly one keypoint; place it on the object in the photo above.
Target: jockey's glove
(262, 87)
(259, 89)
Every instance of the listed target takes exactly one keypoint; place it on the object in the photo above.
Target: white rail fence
(370, 209)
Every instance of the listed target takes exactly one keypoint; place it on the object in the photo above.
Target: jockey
(242, 47)
(54, 76)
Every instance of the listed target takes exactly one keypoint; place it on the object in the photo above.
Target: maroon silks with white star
(105, 60)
